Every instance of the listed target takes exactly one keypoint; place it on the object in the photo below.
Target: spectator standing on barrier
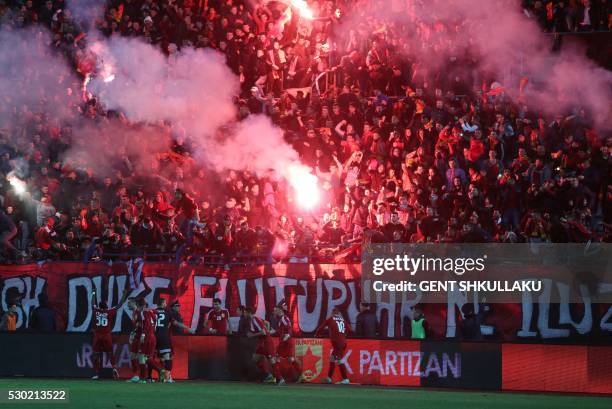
(367, 322)
(9, 319)
(42, 318)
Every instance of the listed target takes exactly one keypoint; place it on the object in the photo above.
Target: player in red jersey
(217, 321)
(265, 347)
(286, 346)
(146, 345)
(338, 329)
(103, 321)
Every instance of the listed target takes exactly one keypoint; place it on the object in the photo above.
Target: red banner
(311, 291)
(557, 368)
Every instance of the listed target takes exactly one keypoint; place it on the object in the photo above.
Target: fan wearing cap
(286, 346)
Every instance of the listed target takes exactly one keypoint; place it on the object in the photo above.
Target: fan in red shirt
(103, 320)
(286, 346)
(265, 347)
(338, 329)
(218, 319)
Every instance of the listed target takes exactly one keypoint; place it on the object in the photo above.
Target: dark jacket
(43, 320)
(367, 324)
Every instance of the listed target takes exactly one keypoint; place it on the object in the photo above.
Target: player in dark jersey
(166, 319)
(286, 346)
(338, 329)
(265, 347)
(103, 321)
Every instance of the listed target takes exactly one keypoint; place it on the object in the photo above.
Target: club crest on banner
(310, 352)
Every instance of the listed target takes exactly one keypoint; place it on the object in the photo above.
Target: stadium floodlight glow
(303, 9)
(305, 185)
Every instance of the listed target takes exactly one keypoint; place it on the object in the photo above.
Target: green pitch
(225, 395)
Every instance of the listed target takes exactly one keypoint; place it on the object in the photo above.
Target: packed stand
(561, 16)
(403, 154)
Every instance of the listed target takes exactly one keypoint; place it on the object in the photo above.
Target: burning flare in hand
(305, 185)
(303, 9)
(109, 77)
(18, 184)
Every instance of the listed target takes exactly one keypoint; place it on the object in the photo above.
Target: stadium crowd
(564, 16)
(403, 154)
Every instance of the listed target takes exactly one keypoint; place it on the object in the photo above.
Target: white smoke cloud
(254, 144)
(102, 146)
(33, 74)
(86, 11)
(195, 91)
(193, 88)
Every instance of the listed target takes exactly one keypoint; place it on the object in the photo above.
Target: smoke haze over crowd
(499, 41)
(194, 90)
(30, 72)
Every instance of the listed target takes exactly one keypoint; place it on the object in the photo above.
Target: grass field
(225, 395)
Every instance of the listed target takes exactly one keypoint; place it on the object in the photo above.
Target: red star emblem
(310, 361)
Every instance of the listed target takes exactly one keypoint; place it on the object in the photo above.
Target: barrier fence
(439, 364)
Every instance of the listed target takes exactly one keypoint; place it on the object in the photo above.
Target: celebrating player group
(150, 342)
